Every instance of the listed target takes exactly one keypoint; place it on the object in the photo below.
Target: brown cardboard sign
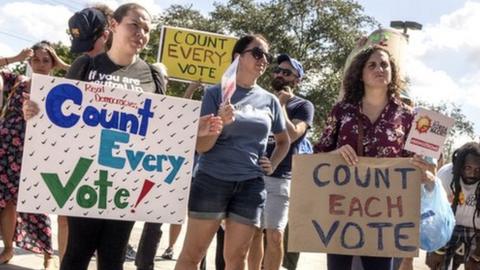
(371, 209)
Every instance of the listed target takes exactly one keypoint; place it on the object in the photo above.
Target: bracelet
(439, 252)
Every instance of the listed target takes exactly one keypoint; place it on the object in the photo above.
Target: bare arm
(282, 144)
(227, 115)
(21, 56)
(59, 63)
(295, 127)
(192, 87)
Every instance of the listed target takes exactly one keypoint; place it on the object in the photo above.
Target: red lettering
(355, 205)
(398, 205)
(367, 207)
(334, 201)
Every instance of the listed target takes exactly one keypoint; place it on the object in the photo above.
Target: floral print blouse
(384, 138)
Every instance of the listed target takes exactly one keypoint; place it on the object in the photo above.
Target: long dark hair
(458, 160)
(353, 86)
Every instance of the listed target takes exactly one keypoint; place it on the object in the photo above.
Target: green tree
(320, 34)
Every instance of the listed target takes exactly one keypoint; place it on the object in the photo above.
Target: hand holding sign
(227, 112)
(428, 171)
(29, 108)
(209, 125)
(348, 153)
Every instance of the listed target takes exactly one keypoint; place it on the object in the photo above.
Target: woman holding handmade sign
(32, 231)
(370, 121)
(120, 65)
(229, 181)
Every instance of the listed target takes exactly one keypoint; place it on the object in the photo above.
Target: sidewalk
(25, 260)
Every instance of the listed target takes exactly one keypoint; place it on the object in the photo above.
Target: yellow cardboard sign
(192, 55)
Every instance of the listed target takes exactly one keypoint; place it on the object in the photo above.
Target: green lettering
(62, 193)
(103, 183)
(118, 198)
(86, 196)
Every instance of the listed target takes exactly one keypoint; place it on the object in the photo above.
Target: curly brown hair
(353, 86)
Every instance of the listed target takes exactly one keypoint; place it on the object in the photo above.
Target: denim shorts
(241, 201)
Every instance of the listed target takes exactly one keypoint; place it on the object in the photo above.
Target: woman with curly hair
(371, 121)
(30, 231)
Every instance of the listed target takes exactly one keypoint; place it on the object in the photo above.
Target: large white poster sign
(102, 152)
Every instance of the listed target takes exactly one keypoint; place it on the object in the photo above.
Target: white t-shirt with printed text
(466, 206)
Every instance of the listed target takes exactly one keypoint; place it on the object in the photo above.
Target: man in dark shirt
(298, 113)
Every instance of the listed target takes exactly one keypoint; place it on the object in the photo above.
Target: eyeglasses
(284, 71)
(258, 54)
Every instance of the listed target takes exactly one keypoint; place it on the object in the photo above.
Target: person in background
(89, 34)
(298, 113)
(30, 231)
(229, 181)
(461, 181)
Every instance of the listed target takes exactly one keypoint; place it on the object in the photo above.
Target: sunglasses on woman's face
(258, 54)
(284, 71)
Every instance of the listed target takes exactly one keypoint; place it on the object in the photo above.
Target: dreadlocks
(458, 160)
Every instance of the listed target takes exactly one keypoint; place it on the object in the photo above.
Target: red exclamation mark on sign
(147, 186)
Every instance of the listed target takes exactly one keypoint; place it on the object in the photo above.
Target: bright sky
(444, 62)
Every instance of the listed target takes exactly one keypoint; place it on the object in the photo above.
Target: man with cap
(298, 114)
(89, 30)
(89, 33)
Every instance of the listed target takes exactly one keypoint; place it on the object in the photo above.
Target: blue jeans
(241, 201)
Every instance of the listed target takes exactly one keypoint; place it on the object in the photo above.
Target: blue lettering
(361, 240)
(112, 123)
(325, 238)
(134, 158)
(399, 236)
(359, 181)
(176, 163)
(108, 139)
(146, 163)
(404, 172)
(126, 118)
(380, 226)
(316, 175)
(145, 113)
(384, 175)
(91, 116)
(346, 179)
(54, 101)
(160, 159)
